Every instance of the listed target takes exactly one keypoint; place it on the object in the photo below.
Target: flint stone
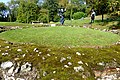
(26, 67)
(7, 64)
(19, 50)
(79, 68)
(10, 71)
(20, 79)
(10, 78)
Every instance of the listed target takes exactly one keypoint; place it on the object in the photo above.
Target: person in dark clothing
(92, 16)
(62, 19)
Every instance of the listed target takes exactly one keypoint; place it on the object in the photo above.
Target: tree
(52, 7)
(114, 7)
(27, 11)
(12, 7)
(99, 5)
(72, 7)
(3, 10)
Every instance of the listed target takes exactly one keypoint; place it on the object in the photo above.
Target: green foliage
(78, 15)
(56, 18)
(43, 18)
(52, 6)
(3, 9)
(27, 11)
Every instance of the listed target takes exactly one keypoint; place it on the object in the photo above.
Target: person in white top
(93, 16)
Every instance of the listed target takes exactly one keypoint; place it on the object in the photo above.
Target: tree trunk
(102, 17)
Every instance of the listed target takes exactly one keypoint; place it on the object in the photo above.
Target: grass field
(80, 45)
(61, 36)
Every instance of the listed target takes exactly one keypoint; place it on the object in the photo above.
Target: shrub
(43, 18)
(78, 15)
(56, 18)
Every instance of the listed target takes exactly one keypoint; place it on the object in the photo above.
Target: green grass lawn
(56, 37)
(61, 36)
(106, 24)
(77, 22)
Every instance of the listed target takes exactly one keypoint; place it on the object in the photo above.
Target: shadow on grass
(110, 20)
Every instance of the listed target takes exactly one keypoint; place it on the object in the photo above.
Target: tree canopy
(26, 11)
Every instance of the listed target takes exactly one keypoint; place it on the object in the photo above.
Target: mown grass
(78, 22)
(48, 41)
(61, 36)
(106, 24)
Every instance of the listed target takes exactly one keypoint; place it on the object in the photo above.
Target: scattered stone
(83, 54)
(23, 55)
(69, 63)
(53, 25)
(43, 58)
(10, 71)
(48, 55)
(40, 52)
(27, 51)
(68, 57)
(79, 68)
(66, 66)
(44, 73)
(101, 63)
(104, 30)
(80, 62)
(4, 54)
(118, 69)
(19, 50)
(16, 59)
(35, 49)
(6, 50)
(17, 70)
(7, 47)
(83, 76)
(62, 59)
(9, 78)
(20, 79)
(54, 72)
(78, 53)
(114, 31)
(86, 64)
(49, 50)
(26, 67)
(7, 64)
(117, 43)
(110, 77)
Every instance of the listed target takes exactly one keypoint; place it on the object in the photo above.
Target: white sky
(5, 1)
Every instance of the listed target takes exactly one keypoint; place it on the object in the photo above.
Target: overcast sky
(5, 1)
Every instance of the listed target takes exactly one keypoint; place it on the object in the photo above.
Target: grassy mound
(61, 36)
(49, 60)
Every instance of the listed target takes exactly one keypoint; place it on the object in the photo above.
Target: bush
(43, 18)
(78, 15)
(56, 18)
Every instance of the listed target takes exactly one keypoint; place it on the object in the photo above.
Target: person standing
(93, 16)
(62, 19)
